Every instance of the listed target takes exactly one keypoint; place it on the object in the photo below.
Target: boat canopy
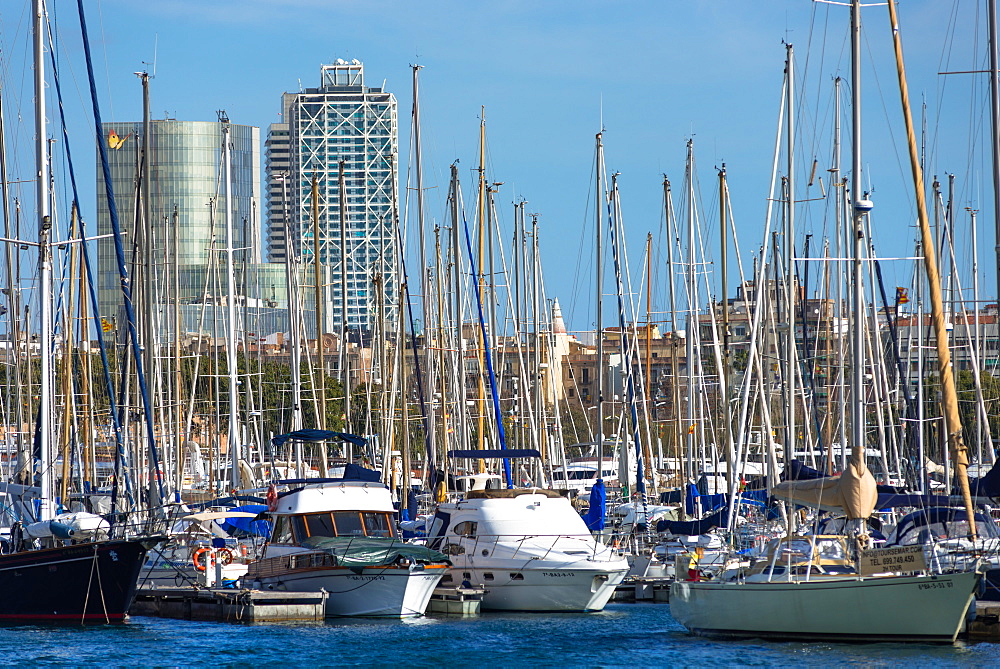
(318, 435)
(938, 523)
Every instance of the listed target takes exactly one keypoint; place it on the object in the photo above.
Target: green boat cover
(357, 552)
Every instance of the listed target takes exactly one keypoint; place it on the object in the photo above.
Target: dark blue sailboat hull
(91, 582)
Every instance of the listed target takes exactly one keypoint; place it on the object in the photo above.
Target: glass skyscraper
(184, 199)
(341, 121)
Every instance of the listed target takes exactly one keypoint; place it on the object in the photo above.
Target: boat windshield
(807, 550)
(342, 524)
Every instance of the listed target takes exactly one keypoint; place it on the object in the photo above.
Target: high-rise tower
(181, 192)
(341, 122)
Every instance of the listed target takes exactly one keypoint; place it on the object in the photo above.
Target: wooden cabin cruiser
(529, 548)
(340, 535)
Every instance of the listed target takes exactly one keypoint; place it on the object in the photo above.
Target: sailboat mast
(234, 401)
(456, 250)
(599, 214)
(790, 283)
(345, 360)
(47, 509)
(431, 456)
(991, 8)
(692, 322)
(318, 294)
(724, 374)
(860, 209)
(480, 278)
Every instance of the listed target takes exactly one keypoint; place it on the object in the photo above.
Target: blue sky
(549, 73)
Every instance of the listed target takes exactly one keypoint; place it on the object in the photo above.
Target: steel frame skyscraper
(342, 120)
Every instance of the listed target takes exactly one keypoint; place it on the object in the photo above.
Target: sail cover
(595, 514)
(311, 435)
(854, 492)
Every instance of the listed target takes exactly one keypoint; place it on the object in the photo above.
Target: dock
(456, 601)
(643, 589)
(986, 625)
(230, 605)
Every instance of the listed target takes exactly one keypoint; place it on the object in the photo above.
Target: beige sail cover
(854, 492)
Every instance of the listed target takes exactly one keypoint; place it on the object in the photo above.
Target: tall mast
(692, 322)
(294, 319)
(991, 8)
(724, 372)
(953, 420)
(234, 401)
(345, 372)
(599, 214)
(860, 209)
(424, 283)
(456, 250)
(790, 357)
(481, 399)
(319, 294)
(47, 510)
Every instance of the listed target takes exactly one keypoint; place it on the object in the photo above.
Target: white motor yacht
(529, 548)
(341, 536)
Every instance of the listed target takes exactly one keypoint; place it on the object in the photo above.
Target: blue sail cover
(694, 527)
(260, 528)
(987, 486)
(690, 498)
(318, 435)
(800, 472)
(595, 514)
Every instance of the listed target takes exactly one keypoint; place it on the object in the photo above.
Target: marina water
(633, 635)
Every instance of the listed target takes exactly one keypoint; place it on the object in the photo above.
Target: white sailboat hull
(924, 608)
(378, 592)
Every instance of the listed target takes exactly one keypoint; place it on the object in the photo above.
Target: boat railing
(594, 550)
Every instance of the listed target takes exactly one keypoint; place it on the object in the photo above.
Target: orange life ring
(195, 557)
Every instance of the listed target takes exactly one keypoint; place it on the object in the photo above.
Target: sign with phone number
(900, 559)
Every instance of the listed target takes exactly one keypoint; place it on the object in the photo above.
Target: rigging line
(120, 256)
(578, 275)
(93, 294)
(903, 172)
(487, 354)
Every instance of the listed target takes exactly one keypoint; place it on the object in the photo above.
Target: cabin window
(319, 525)
(466, 529)
(282, 533)
(516, 576)
(378, 525)
(348, 524)
(298, 524)
(488, 576)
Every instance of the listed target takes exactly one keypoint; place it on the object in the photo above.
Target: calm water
(634, 635)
